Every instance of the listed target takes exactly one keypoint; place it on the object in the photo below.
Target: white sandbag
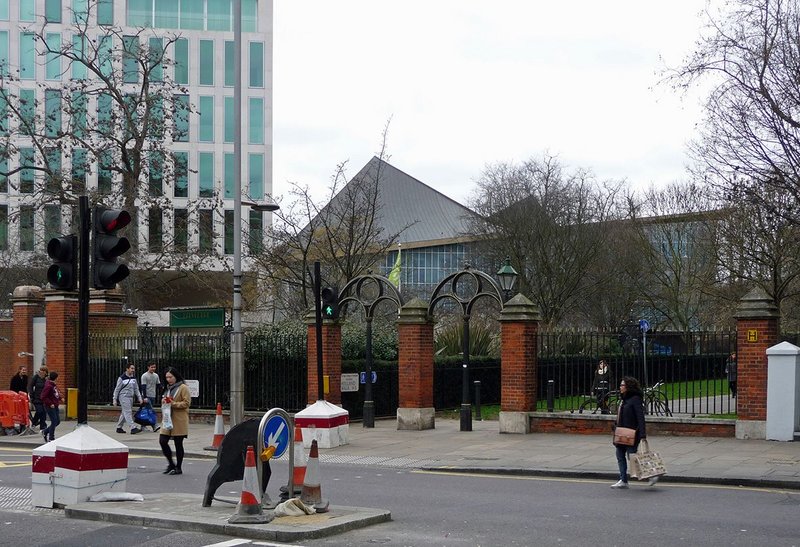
(117, 496)
(293, 508)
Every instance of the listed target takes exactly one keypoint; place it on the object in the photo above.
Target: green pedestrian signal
(330, 303)
(63, 273)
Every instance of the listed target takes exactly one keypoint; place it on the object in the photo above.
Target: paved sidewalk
(688, 459)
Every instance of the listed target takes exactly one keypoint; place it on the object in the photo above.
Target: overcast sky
(472, 82)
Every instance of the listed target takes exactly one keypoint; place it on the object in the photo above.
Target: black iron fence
(274, 366)
(691, 364)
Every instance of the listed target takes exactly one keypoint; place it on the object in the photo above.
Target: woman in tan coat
(178, 399)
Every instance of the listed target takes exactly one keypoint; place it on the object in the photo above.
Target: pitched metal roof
(428, 215)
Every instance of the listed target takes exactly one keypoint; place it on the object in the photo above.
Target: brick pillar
(27, 302)
(331, 359)
(519, 327)
(757, 320)
(415, 367)
(61, 316)
(106, 314)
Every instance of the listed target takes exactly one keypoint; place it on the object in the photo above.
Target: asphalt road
(450, 510)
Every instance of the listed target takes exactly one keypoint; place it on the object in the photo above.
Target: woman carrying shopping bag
(630, 415)
(175, 414)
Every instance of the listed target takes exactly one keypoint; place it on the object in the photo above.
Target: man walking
(151, 383)
(19, 383)
(125, 391)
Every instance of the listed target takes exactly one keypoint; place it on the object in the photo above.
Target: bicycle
(606, 402)
(655, 401)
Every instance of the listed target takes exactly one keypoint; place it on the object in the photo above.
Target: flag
(394, 275)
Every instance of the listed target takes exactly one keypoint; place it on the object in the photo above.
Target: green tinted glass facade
(206, 62)
(79, 107)
(80, 11)
(27, 56)
(230, 173)
(80, 165)
(206, 221)
(52, 67)
(256, 180)
(166, 15)
(155, 242)
(52, 11)
(256, 120)
(206, 119)
(130, 56)
(26, 233)
(78, 47)
(181, 61)
(180, 236)
(256, 64)
(206, 174)
(181, 130)
(230, 79)
(26, 174)
(156, 54)
(228, 237)
(255, 239)
(230, 125)
(181, 165)
(27, 11)
(4, 60)
(27, 111)
(52, 107)
(105, 12)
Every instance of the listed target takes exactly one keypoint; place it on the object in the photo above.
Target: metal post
(466, 409)
(550, 395)
(368, 415)
(237, 366)
(318, 330)
(83, 311)
(644, 357)
(477, 384)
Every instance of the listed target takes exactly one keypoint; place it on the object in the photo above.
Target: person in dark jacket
(35, 398)
(51, 398)
(731, 372)
(601, 385)
(631, 414)
(19, 383)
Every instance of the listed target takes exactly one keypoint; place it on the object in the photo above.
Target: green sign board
(197, 317)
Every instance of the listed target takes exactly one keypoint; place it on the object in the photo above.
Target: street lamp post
(507, 276)
(237, 349)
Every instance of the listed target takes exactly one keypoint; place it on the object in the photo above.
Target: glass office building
(192, 183)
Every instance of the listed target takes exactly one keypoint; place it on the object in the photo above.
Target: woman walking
(175, 404)
(631, 415)
(51, 399)
(126, 390)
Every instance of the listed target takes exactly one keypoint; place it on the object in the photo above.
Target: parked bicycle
(655, 402)
(607, 402)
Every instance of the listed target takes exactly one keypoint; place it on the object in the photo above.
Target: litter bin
(72, 402)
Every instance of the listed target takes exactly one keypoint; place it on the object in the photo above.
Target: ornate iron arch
(356, 291)
(484, 286)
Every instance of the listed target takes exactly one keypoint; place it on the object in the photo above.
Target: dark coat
(50, 394)
(19, 383)
(631, 414)
(37, 386)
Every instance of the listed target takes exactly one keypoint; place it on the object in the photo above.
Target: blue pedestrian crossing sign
(276, 433)
(363, 377)
(644, 325)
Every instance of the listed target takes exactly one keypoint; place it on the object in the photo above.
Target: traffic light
(106, 247)
(63, 273)
(330, 303)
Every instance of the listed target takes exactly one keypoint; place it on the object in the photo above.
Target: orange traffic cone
(219, 430)
(299, 472)
(312, 490)
(248, 511)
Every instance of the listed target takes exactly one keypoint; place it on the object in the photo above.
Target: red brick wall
(415, 365)
(61, 313)
(518, 366)
(331, 361)
(751, 358)
(594, 426)
(22, 336)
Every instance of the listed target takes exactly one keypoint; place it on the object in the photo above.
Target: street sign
(363, 377)
(349, 382)
(194, 387)
(276, 433)
(644, 325)
(197, 317)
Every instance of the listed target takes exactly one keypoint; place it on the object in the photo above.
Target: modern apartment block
(190, 214)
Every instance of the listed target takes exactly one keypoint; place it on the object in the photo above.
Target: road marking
(603, 481)
(240, 541)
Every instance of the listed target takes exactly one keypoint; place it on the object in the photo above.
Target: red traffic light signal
(107, 247)
(63, 273)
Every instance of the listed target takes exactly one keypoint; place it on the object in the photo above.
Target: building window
(155, 129)
(52, 67)
(105, 51)
(80, 165)
(52, 11)
(180, 131)
(27, 111)
(228, 247)
(191, 15)
(79, 106)
(230, 79)
(80, 11)
(52, 222)
(105, 12)
(105, 114)
(255, 239)
(180, 236)
(3, 10)
(105, 176)
(3, 115)
(249, 15)
(26, 173)
(156, 175)
(256, 120)
(256, 180)
(181, 163)
(140, 13)
(206, 119)
(27, 10)
(219, 15)
(26, 220)
(3, 227)
(256, 64)
(166, 14)
(154, 230)
(3, 178)
(206, 230)
(206, 174)
(52, 108)
(206, 62)
(4, 65)
(27, 56)
(130, 59)
(52, 160)
(79, 48)
(155, 53)
(230, 125)
(230, 173)
(182, 61)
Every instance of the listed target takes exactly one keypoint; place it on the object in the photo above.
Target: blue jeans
(52, 413)
(622, 460)
(40, 418)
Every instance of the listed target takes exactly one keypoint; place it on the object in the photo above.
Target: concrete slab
(185, 512)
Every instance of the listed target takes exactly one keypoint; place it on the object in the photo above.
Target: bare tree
(750, 138)
(117, 111)
(552, 224)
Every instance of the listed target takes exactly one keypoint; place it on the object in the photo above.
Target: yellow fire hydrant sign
(752, 335)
